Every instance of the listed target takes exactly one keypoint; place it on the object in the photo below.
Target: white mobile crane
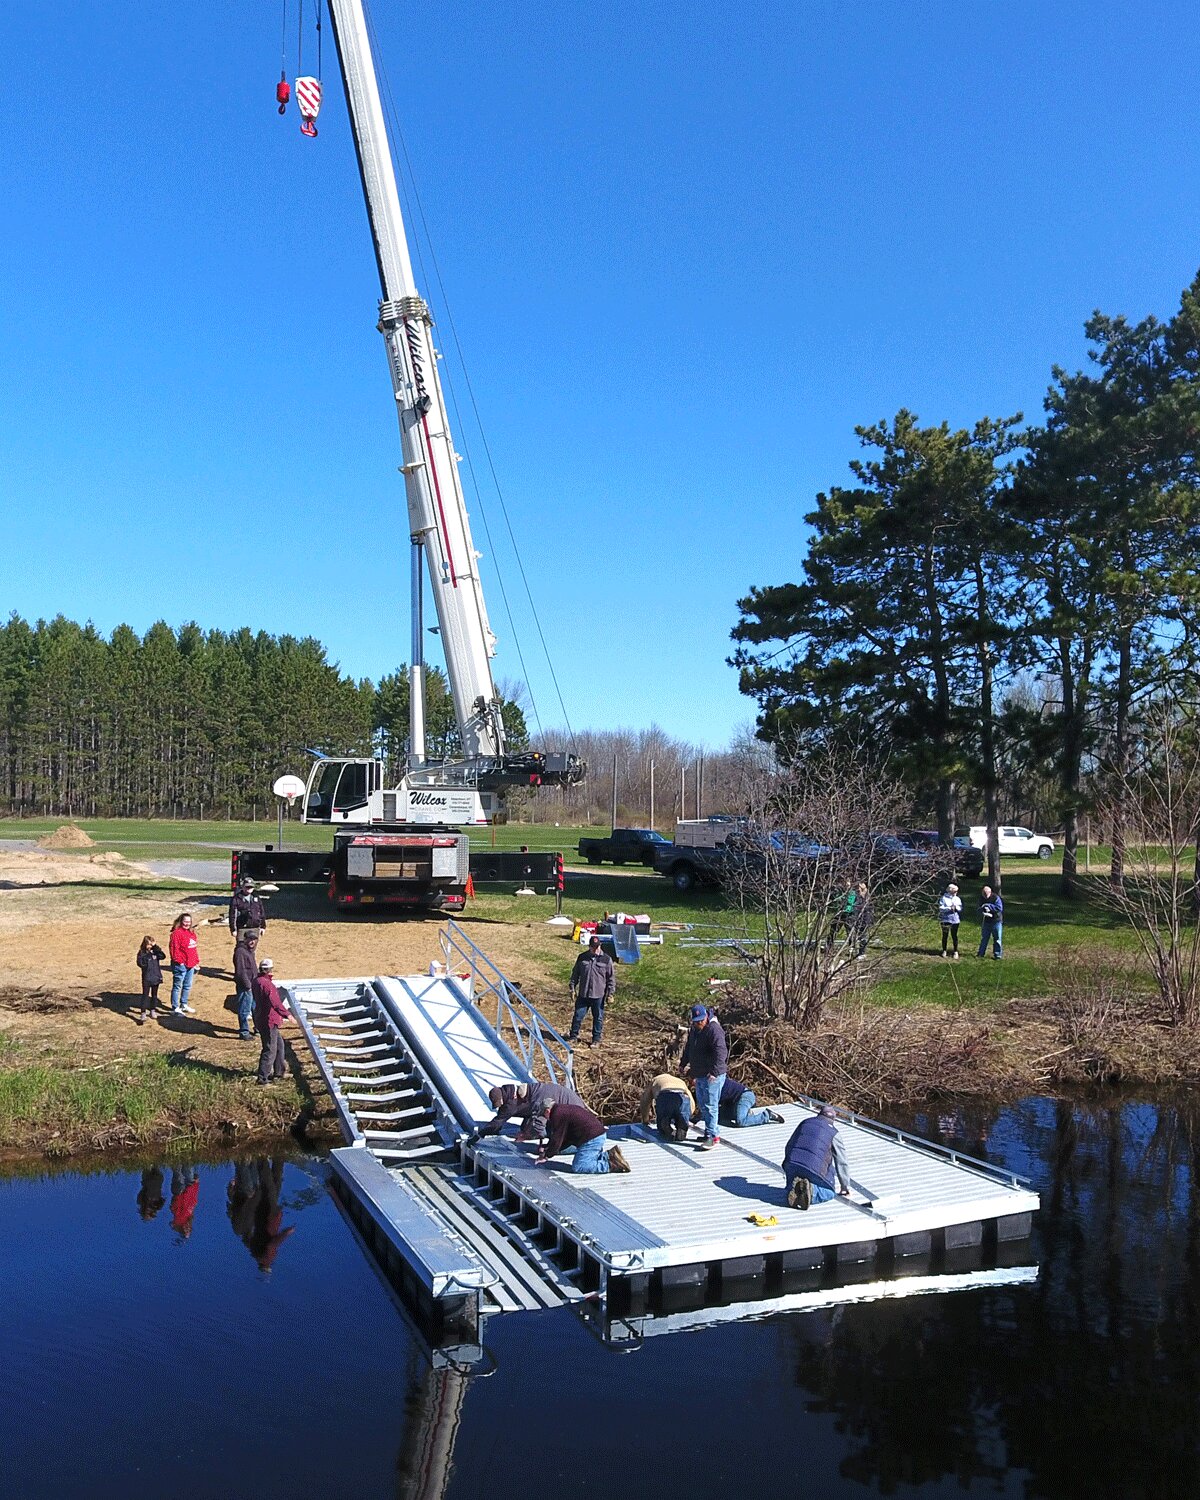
(403, 844)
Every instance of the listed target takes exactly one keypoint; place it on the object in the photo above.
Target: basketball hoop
(287, 788)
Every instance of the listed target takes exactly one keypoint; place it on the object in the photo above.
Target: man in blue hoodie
(991, 921)
(706, 1063)
(812, 1157)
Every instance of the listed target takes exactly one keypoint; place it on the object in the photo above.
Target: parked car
(966, 857)
(1018, 841)
(624, 846)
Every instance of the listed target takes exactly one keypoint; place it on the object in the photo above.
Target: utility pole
(652, 794)
(613, 824)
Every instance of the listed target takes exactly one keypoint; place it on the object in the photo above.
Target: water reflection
(254, 1209)
(1088, 1380)
(185, 1195)
(150, 1197)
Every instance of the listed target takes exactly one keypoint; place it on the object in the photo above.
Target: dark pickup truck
(624, 846)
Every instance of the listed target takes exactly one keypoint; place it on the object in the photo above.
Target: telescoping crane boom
(417, 818)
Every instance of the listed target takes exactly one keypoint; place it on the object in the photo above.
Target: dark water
(242, 1346)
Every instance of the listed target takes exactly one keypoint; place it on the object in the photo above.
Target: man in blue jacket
(991, 919)
(706, 1063)
(812, 1157)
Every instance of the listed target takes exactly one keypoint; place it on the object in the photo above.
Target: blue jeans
(820, 1193)
(245, 1001)
(995, 931)
(708, 1097)
(744, 1112)
(671, 1107)
(592, 1156)
(181, 985)
(581, 1009)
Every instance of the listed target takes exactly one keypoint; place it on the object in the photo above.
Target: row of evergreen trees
(186, 723)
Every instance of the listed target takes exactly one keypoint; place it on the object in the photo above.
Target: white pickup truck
(1018, 841)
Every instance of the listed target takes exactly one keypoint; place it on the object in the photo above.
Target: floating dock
(467, 1230)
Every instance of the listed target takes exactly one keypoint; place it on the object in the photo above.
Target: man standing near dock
(593, 981)
(706, 1062)
(811, 1158)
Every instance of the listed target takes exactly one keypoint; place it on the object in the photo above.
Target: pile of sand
(66, 836)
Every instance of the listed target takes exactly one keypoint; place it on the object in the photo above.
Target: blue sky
(687, 249)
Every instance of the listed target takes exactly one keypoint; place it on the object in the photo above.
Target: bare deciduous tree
(812, 832)
(1157, 804)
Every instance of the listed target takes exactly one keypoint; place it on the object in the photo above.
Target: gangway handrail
(919, 1143)
(536, 1039)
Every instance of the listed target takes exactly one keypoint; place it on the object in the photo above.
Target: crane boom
(437, 512)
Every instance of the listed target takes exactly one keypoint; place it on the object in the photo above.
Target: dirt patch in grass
(66, 836)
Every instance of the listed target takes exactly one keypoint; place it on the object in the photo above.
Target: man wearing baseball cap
(812, 1157)
(270, 1012)
(706, 1062)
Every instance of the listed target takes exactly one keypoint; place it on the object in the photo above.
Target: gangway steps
(369, 1065)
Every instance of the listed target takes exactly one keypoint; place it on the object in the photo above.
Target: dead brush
(1102, 1014)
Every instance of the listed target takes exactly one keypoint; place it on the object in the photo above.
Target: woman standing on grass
(950, 915)
(185, 960)
(149, 960)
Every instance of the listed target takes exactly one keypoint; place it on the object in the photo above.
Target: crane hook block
(283, 92)
(308, 97)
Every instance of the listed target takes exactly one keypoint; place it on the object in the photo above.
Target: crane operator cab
(351, 792)
(339, 791)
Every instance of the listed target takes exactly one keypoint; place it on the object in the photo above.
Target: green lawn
(1039, 923)
(166, 838)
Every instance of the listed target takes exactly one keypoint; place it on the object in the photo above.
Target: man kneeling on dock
(811, 1158)
(671, 1100)
(574, 1125)
(526, 1102)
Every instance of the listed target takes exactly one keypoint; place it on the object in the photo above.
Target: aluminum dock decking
(475, 1228)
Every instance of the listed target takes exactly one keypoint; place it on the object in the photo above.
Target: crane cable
(394, 126)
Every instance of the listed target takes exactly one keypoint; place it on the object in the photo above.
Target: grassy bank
(51, 1106)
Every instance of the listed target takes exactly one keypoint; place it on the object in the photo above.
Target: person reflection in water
(150, 1198)
(185, 1191)
(254, 1209)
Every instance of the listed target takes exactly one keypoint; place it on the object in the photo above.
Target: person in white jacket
(950, 915)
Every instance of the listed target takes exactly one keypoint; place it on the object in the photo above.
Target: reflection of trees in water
(1089, 1380)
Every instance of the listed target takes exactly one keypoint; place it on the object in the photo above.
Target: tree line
(187, 722)
(994, 608)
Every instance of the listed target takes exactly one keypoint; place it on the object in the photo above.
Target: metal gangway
(408, 1061)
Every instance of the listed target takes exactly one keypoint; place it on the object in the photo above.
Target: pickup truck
(690, 865)
(624, 846)
(1018, 841)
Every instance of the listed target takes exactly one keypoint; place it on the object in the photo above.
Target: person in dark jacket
(245, 972)
(526, 1102)
(706, 1062)
(150, 960)
(246, 910)
(862, 919)
(737, 1107)
(270, 1012)
(574, 1126)
(991, 921)
(150, 1198)
(593, 981)
(811, 1158)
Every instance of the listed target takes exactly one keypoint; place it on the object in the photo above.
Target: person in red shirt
(185, 960)
(185, 1193)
